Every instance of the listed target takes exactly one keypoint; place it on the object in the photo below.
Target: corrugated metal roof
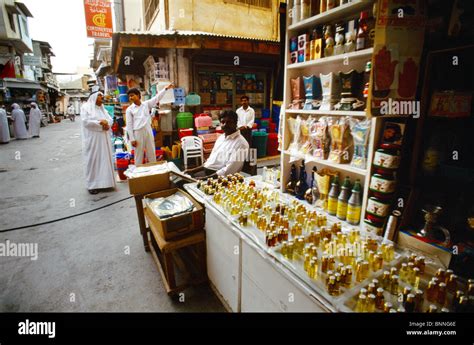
(192, 33)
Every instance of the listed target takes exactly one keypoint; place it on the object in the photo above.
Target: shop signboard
(98, 18)
(32, 60)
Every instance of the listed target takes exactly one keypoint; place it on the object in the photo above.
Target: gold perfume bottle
(441, 298)
(307, 258)
(387, 307)
(452, 283)
(403, 272)
(313, 263)
(348, 277)
(394, 284)
(379, 299)
(371, 303)
(331, 263)
(419, 298)
(324, 263)
(291, 246)
(432, 309)
(361, 305)
(416, 278)
(371, 288)
(332, 286)
(431, 291)
(386, 280)
(420, 263)
(441, 274)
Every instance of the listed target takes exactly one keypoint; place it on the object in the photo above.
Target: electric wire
(68, 217)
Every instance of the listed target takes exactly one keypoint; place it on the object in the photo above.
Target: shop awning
(23, 84)
(123, 42)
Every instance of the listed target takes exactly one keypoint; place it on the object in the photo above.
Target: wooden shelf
(365, 53)
(344, 167)
(339, 12)
(327, 112)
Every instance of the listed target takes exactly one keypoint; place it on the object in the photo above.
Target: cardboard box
(407, 240)
(179, 225)
(150, 183)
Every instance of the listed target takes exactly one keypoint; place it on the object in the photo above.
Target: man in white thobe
(229, 152)
(19, 122)
(138, 117)
(34, 121)
(246, 119)
(71, 112)
(4, 129)
(97, 144)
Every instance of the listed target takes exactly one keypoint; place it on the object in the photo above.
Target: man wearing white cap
(34, 123)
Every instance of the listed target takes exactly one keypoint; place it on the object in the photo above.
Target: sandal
(93, 191)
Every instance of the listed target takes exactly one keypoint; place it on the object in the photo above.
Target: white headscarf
(15, 106)
(34, 104)
(90, 104)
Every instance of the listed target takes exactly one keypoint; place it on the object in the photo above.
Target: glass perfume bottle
(290, 186)
(301, 186)
(332, 196)
(361, 304)
(312, 193)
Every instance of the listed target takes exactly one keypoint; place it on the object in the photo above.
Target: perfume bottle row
(404, 289)
(328, 40)
(343, 201)
(332, 91)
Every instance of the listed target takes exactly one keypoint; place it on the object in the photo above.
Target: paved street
(83, 263)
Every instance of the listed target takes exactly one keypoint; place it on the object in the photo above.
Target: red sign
(98, 18)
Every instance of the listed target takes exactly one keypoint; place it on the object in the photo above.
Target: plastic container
(159, 154)
(193, 99)
(201, 132)
(123, 98)
(122, 89)
(259, 141)
(272, 128)
(185, 120)
(272, 145)
(185, 132)
(122, 165)
(203, 120)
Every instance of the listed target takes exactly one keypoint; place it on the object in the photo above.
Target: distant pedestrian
(19, 122)
(138, 117)
(97, 144)
(71, 112)
(35, 121)
(4, 129)
(246, 119)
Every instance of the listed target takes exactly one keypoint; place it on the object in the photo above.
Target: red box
(185, 132)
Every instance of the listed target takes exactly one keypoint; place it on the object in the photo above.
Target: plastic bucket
(259, 142)
(122, 165)
(185, 132)
(122, 89)
(272, 145)
(185, 120)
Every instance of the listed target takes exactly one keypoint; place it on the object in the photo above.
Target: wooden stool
(166, 256)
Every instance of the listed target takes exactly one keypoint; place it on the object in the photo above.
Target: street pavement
(92, 262)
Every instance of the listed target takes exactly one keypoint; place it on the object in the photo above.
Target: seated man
(229, 152)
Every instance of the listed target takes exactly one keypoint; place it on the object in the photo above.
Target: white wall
(133, 15)
(6, 31)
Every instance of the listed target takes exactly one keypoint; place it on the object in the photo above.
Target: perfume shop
(371, 208)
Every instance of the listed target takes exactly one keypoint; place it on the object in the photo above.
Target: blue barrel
(123, 89)
(123, 98)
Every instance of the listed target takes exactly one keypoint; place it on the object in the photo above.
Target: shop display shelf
(328, 163)
(327, 112)
(339, 12)
(360, 54)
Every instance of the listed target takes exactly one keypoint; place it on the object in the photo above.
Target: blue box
(178, 92)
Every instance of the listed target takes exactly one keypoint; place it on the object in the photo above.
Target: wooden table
(168, 254)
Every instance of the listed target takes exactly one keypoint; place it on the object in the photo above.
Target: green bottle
(343, 199)
(332, 197)
(354, 204)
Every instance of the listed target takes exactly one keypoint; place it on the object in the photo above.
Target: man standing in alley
(71, 112)
(19, 122)
(4, 130)
(138, 117)
(34, 122)
(97, 144)
(246, 119)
